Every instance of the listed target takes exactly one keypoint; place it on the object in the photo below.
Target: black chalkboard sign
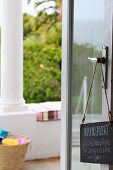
(96, 143)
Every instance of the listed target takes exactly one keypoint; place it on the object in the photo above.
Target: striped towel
(49, 115)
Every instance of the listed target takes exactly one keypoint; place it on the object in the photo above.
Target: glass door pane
(88, 39)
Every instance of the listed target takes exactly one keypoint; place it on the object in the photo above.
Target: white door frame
(66, 64)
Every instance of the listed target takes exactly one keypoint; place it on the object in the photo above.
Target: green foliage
(29, 25)
(82, 68)
(42, 61)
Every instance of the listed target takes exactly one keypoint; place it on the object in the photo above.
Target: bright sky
(28, 8)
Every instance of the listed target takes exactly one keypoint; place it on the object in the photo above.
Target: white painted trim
(63, 165)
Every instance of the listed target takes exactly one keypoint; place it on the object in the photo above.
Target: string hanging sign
(96, 139)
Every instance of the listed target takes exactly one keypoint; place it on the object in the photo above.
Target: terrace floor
(44, 164)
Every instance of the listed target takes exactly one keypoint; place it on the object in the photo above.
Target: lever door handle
(103, 60)
(98, 60)
(94, 60)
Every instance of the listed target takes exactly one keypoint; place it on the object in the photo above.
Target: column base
(13, 105)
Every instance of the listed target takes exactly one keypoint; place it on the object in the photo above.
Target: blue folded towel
(3, 133)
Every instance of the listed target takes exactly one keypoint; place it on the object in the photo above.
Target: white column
(11, 55)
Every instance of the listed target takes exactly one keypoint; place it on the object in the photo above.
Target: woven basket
(12, 157)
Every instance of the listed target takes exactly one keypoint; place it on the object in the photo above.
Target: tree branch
(41, 2)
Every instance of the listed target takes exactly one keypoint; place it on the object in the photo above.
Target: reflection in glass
(88, 39)
(87, 42)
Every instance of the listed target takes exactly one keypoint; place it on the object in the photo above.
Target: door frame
(66, 123)
(67, 37)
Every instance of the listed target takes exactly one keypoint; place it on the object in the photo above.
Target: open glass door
(88, 24)
(88, 39)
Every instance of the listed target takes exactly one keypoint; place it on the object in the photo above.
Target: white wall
(45, 136)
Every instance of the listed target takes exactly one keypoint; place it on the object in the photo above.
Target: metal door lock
(101, 60)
